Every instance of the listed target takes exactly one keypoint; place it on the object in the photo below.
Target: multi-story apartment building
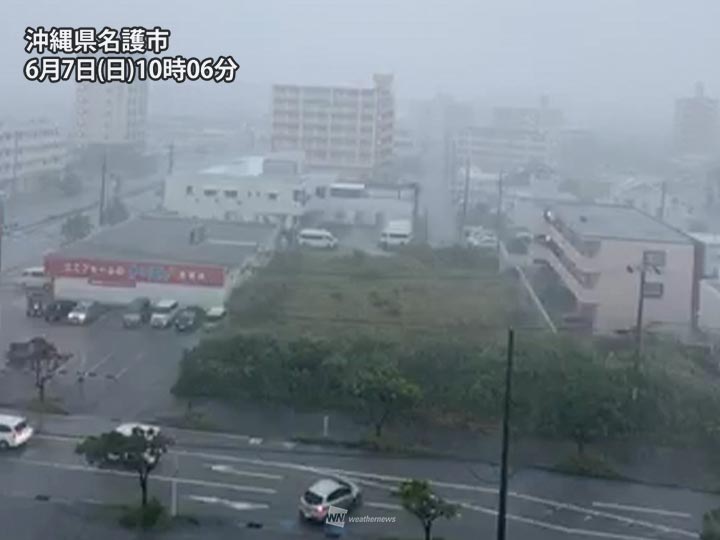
(111, 115)
(496, 149)
(541, 118)
(697, 120)
(600, 251)
(30, 152)
(347, 129)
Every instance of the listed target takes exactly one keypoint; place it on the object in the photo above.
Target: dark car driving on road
(188, 319)
(59, 310)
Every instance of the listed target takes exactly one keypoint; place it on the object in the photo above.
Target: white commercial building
(598, 251)
(195, 262)
(267, 189)
(30, 152)
(339, 128)
(354, 203)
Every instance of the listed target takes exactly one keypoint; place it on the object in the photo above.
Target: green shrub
(711, 525)
(148, 517)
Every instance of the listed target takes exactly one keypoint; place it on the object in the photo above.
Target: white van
(317, 238)
(396, 233)
(34, 278)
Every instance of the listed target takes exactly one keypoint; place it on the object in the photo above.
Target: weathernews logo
(336, 516)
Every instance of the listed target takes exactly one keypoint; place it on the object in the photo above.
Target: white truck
(396, 233)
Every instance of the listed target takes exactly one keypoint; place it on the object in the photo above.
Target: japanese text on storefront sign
(114, 271)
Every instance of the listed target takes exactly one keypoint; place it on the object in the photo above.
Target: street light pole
(502, 505)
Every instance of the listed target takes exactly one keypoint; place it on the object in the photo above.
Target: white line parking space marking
(642, 510)
(229, 469)
(235, 505)
(124, 370)
(465, 487)
(104, 359)
(159, 478)
(255, 440)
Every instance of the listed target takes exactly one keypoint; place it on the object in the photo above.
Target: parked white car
(317, 238)
(396, 233)
(34, 278)
(14, 431)
(164, 313)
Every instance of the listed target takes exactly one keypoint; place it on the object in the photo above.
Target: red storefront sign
(127, 273)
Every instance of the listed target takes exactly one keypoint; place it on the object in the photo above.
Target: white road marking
(235, 505)
(229, 469)
(124, 370)
(160, 478)
(464, 487)
(554, 527)
(100, 363)
(383, 506)
(642, 509)
(255, 440)
(596, 513)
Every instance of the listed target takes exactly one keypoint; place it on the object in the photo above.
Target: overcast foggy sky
(608, 61)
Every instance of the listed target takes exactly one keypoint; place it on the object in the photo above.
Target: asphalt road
(241, 479)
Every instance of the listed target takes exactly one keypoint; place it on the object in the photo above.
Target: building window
(272, 196)
(654, 258)
(210, 192)
(231, 193)
(189, 190)
(653, 289)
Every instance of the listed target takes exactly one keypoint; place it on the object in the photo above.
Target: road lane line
(127, 474)
(229, 469)
(383, 506)
(608, 515)
(235, 505)
(642, 509)
(465, 487)
(554, 527)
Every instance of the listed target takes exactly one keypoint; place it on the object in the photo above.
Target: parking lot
(114, 372)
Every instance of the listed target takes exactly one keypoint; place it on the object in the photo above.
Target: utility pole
(502, 504)
(2, 226)
(103, 181)
(663, 195)
(640, 309)
(466, 195)
(498, 217)
(171, 158)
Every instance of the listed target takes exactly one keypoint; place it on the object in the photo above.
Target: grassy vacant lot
(420, 291)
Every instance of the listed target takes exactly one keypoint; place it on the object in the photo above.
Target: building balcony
(584, 252)
(581, 284)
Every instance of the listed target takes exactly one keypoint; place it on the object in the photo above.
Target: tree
(586, 398)
(380, 391)
(418, 499)
(44, 363)
(138, 452)
(76, 227)
(116, 212)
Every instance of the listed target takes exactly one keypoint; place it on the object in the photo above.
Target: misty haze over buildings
(615, 65)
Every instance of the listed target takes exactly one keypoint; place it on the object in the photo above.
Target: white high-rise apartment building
(113, 114)
(339, 128)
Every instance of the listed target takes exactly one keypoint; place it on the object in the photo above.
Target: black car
(137, 313)
(59, 310)
(187, 320)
